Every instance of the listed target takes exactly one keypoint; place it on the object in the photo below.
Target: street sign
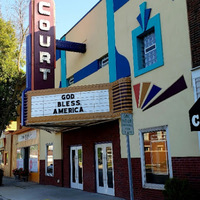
(127, 123)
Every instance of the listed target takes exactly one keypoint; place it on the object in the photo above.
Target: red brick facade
(194, 19)
(88, 137)
(184, 168)
(188, 168)
(56, 179)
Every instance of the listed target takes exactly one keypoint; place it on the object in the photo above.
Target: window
(147, 43)
(49, 160)
(103, 61)
(1, 158)
(149, 49)
(196, 83)
(71, 80)
(20, 158)
(155, 158)
(6, 159)
(33, 158)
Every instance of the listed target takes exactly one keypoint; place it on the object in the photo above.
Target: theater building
(123, 56)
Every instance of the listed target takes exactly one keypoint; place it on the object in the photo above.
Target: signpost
(127, 129)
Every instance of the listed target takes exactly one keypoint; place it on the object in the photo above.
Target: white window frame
(196, 74)
(144, 183)
(46, 161)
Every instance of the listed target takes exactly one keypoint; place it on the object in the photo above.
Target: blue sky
(68, 12)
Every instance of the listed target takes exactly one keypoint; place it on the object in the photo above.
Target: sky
(68, 12)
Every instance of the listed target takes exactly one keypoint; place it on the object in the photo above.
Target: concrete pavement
(18, 190)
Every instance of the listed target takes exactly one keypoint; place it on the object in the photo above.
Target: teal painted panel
(63, 69)
(111, 41)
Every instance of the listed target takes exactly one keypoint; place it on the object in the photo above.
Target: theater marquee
(62, 109)
(70, 103)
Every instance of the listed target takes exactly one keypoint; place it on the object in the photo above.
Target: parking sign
(127, 123)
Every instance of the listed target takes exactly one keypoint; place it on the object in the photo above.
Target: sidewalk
(18, 190)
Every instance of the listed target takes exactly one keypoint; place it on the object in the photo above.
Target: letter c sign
(195, 120)
(194, 114)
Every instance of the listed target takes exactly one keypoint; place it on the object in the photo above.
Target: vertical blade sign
(42, 30)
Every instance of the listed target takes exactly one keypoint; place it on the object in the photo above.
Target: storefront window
(49, 160)
(1, 158)
(155, 162)
(20, 158)
(33, 159)
(6, 158)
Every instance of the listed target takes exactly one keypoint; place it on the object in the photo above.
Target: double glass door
(104, 169)
(76, 161)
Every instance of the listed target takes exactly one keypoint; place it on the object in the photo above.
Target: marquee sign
(62, 109)
(27, 136)
(70, 103)
(42, 30)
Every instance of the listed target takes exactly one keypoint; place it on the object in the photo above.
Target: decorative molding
(146, 24)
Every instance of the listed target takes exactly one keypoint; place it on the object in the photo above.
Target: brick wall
(88, 137)
(188, 168)
(109, 132)
(47, 180)
(194, 20)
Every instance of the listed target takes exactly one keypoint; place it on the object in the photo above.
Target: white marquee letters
(43, 4)
(47, 44)
(44, 25)
(45, 56)
(45, 71)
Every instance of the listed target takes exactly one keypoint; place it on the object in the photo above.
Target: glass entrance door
(76, 162)
(104, 169)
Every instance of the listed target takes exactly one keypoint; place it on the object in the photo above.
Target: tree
(19, 18)
(12, 58)
(11, 80)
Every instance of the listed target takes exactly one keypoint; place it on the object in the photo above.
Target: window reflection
(156, 157)
(49, 160)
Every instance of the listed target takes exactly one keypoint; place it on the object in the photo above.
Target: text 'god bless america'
(68, 105)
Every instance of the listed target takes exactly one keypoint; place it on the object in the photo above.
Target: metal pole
(129, 167)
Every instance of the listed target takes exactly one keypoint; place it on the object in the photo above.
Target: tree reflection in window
(156, 157)
(49, 160)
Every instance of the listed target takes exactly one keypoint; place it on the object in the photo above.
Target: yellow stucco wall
(57, 73)
(177, 62)
(101, 76)
(12, 126)
(91, 30)
(173, 112)
(47, 138)
(7, 151)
